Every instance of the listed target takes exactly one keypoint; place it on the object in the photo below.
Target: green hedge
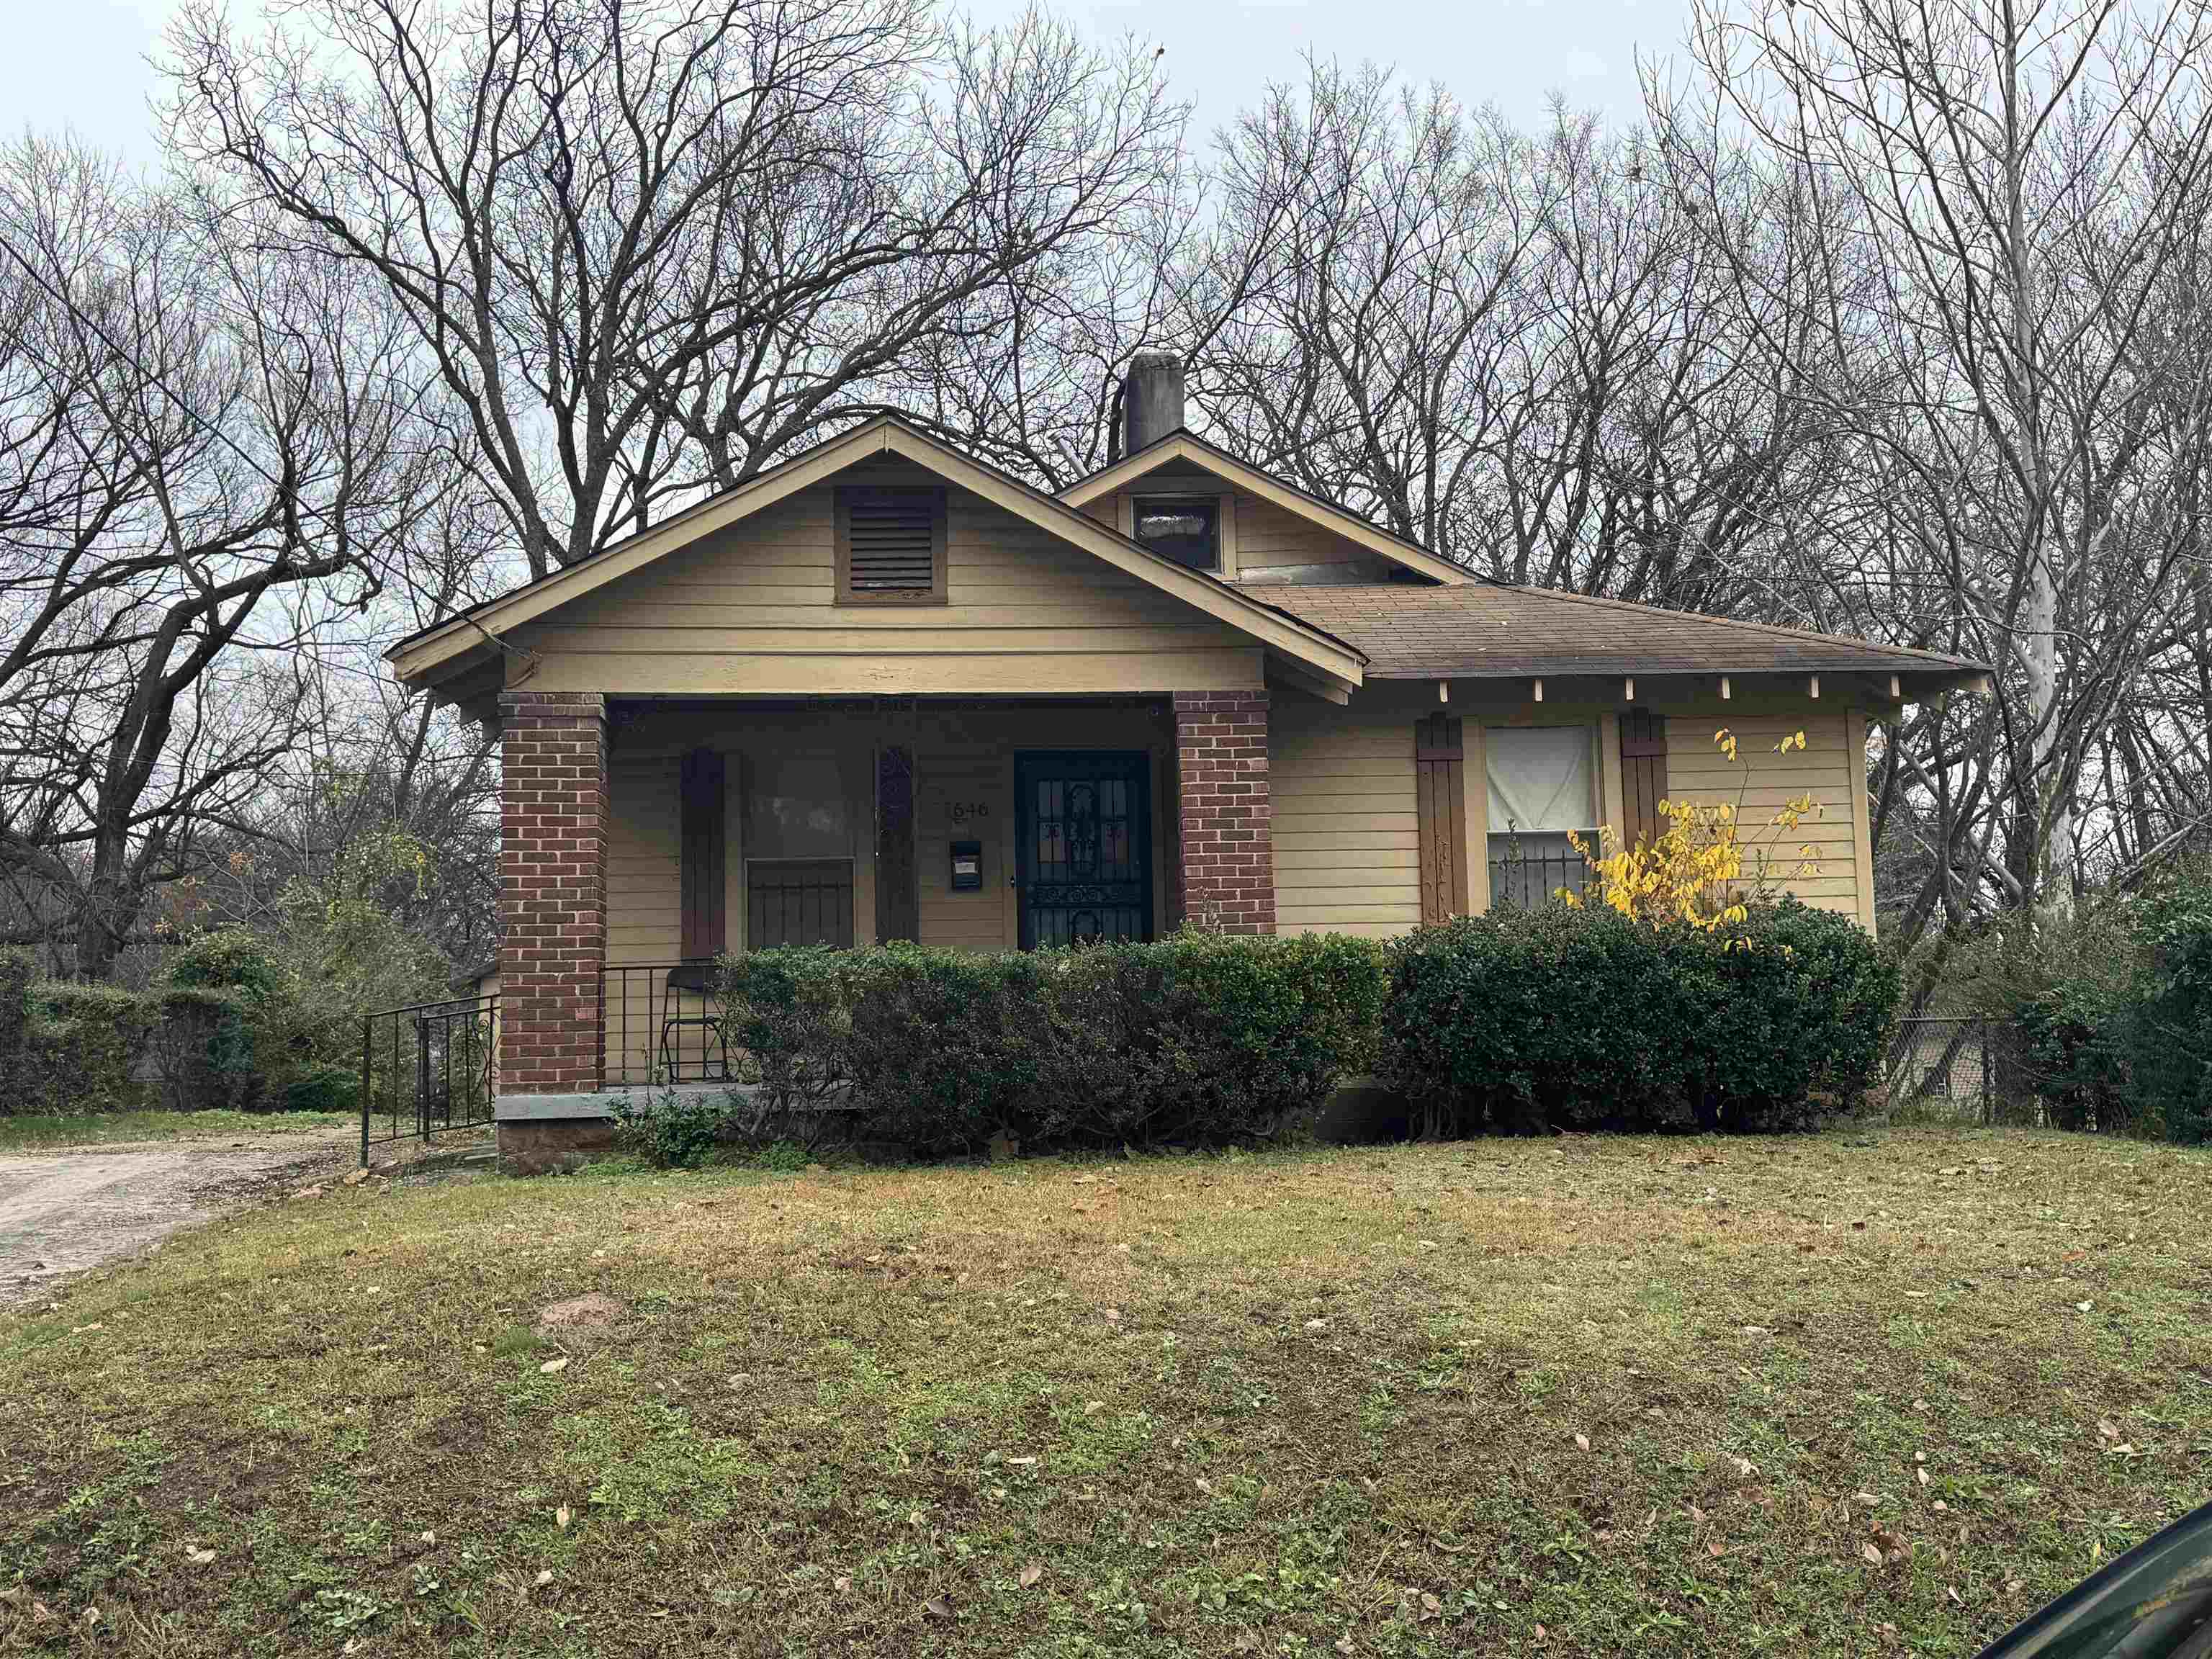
(2111, 1013)
(1199, 1040)
(16, 973)
(81, 1049)
(1582, 1019)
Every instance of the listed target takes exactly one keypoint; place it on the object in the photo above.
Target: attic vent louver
(891, 544)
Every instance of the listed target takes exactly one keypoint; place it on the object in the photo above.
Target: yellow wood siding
(752, 609)
(1346, 833)
(1763, 781)
(1346, 823)
(1269, 536)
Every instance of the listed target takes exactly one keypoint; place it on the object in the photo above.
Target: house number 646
(962, 811)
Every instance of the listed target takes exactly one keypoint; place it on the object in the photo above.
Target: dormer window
(1184, 528)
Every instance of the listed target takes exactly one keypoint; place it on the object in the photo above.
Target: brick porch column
(1226, 878)
(552, 890)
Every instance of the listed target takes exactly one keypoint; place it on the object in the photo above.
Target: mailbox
(967, 866)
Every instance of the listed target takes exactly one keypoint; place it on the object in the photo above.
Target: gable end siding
(753, 610)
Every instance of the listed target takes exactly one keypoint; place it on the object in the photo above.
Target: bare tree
(651, 245)
(2016, 180)
(206, 455)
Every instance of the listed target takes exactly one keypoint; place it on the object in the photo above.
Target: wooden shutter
(898, 900)
(705, 930)
(891, 544)
(1643, 775)
(1439, 778)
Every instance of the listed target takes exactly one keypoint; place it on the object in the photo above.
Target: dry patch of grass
(1559, 1397)
(36, 1132)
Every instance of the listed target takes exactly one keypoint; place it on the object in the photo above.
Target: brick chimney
(1151, 398)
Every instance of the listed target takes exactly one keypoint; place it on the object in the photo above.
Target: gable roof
(1488, 629)
(459, 642)
(1184, 445)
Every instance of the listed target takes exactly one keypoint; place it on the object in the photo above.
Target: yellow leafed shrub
(1700, 870)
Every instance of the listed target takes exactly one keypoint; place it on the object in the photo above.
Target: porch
(642, 838)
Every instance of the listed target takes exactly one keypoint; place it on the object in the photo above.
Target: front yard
(1834, 1395)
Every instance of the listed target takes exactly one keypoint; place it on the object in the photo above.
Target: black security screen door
(1083, 823)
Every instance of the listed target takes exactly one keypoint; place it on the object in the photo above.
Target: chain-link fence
(1946, 1067)
(1967, 1069)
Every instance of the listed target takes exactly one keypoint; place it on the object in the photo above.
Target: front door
(1082, 827)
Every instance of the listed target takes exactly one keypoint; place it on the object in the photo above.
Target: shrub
(1798, 1007)
(1586, 1018)
(16, 974)
(786, 1009)
(83, 1044)
(1202, 1038)
(230, 960)
(2170, 1035)
(677, 1129)
(944, 1048)
(209, 1048)
(325, 1088)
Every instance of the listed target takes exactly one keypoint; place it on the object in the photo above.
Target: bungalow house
(884, 691)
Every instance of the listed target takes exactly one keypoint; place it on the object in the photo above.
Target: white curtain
(1538, 778)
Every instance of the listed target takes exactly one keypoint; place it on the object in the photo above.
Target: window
(799, 834)
(890, 545)
(1186, 529)
(1539, 784)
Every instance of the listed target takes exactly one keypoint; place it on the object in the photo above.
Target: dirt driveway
(64, 1209)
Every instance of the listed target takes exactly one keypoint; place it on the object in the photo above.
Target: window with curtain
(1542, 782)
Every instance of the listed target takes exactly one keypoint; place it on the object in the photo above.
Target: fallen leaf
(1716, 1549)
(2108, 1429)
(1431, 1608)
(545, 1576)
(1582, 1442)
(1032, 1573)
(1092, 1407)
(1316, 1324)
(554, 1367)
(1923, 1474)
(1344, 1643)
(841, 1583)
(198, 1557)
(2083, 1307)
(1872, 1554)
(1957, 1600)
(561, 1517)
(937, 1607)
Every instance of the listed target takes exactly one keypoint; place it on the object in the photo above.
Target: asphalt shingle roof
(1488, 629)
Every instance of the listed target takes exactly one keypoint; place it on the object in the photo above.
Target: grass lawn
(1575, 1396)
(19, 1134)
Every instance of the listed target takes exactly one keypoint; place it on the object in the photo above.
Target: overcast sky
(84, 62)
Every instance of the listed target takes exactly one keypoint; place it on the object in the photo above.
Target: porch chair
(691, 979)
